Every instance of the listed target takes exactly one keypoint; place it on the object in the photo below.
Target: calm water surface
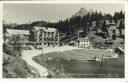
(112, 68)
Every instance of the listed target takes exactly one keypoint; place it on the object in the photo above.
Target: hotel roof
(46, 29)
(14, 32)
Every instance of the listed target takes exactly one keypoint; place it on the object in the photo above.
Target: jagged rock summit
(83, 12)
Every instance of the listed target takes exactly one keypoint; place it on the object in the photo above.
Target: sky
(26, 12)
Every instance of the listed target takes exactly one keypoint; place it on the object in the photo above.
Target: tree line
(73, 24)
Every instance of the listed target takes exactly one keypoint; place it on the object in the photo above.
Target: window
(56, 39)
(44, 43)
(47, 39)
(52, 35)
(40, 31)
(44, 39)
(41, 39)
(48, 34)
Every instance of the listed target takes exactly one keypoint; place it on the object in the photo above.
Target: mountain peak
(91, 11)
(82, 9)
(83, 12)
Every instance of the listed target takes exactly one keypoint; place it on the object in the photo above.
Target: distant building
(93, 24)
(121, 29)
(116, 26)
(120, 50)
(84, 42)
(49, 36)
(24, 34)
(112, 27)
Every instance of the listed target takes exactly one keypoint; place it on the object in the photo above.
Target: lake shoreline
(51, 60)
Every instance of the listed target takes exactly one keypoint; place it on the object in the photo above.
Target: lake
(112, 68)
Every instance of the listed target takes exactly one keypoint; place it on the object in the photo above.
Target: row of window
(49, 39)
(41, 35)
(85, 44)
(84, 41)
(47, 32)
(47, 35)
(48, 43)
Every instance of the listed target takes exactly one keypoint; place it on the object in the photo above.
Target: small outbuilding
(84, 42)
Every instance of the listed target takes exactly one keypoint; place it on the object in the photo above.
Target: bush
(18, 68)
(11, 50)
(97, 45)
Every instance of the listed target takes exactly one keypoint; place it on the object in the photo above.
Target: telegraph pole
(101, 67)
(42, 49)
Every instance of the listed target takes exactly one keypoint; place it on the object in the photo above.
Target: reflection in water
(112, 68)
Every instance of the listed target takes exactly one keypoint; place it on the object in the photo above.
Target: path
(29, 54)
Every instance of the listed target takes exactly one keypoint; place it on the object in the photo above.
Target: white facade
(84, 42)
(49, 36)
(111, 28)
(22, 33)
(24, 36)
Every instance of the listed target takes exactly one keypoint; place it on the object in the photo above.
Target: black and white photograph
(64, 40)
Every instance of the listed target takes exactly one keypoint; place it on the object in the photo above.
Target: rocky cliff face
(83, 12)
